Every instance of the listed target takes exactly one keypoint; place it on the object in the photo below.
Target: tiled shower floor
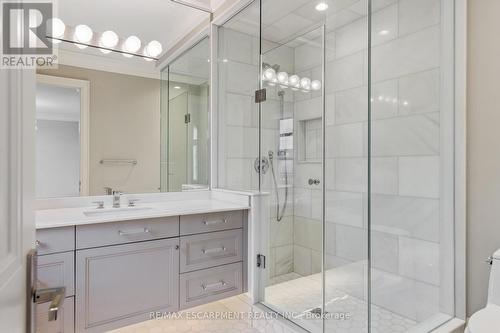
(295, 295)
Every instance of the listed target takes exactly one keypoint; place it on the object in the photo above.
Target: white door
(17, 226)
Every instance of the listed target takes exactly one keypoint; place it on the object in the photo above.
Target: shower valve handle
(313, 181)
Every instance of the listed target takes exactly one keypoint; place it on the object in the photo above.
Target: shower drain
(317, 311)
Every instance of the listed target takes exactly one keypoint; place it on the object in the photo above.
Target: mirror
(107, 123)
(186, 148)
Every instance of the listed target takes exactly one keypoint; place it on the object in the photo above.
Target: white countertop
(62, 217)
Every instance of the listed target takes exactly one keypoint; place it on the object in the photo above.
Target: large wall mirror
(122, 124)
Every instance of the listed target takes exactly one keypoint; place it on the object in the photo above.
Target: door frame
(84, 87)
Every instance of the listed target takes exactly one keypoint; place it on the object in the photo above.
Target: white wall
(124, 124)
(483, 230)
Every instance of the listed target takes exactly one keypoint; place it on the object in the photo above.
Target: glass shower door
(292, 145)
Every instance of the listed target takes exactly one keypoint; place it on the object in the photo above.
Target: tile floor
(185, 323)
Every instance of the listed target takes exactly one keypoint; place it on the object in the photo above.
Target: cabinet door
(123, 284)
(65, 318)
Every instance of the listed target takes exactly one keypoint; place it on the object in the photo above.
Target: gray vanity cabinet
(122, 284)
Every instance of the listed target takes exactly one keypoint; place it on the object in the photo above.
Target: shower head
(276, 67)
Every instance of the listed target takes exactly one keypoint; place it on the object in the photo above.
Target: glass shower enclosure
(354, 145)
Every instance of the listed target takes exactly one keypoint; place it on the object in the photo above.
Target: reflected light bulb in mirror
(293, 80)
(316, 85)
(109, 39)
(305, 83)
(132, 44)
(153, 49)
(270, 74)
(58, 29)
(283, 77)
(322, 6)
(83, 34)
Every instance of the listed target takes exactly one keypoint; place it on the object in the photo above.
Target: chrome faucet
(116, 199)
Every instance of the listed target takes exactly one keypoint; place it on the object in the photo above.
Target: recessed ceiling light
(177, 87)
(383, 32)
(322, 6)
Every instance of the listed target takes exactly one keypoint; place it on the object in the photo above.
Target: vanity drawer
(209, 285)
(57, 270)
(211, 249)
(65, 322)
(95, 235)
(54, 240)
(196, 224)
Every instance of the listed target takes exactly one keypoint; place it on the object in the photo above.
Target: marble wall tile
(351, 38)
(307, 233)
(410, 54)
(344, 73)
(419, 93)
(406, 136)
(419, 176)
(345, 140)
(302, 260)
(302, 202)
(350, 242)
(384, 249)
(281, 233)
(284, 260)
(241, 142)
(384, 175)
(384, 24)
(385, 99)
(345, 208)
(406, 216)
(351, 174)
(351, 105)
(240, 111)
(417, 15)
(241, 78)
(419, 260)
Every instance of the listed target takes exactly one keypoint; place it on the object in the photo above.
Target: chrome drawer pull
(134, 232)
(215, 222)
(214, 250)
(216, 285)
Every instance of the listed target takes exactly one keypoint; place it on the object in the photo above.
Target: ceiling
(161, 20)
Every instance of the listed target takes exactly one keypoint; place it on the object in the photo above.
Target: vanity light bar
(83, 36)
(293, 81)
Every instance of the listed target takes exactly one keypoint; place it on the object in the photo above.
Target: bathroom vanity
(120, 267)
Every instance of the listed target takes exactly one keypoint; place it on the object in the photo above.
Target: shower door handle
(313, 181)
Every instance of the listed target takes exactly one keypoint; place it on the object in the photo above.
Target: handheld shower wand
(279, 212)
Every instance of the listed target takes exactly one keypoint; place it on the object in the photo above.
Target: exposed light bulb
(294, 80)
(132, 44)
(83, 34)
(305, 83)
(153, 49)
(322, 6)
(270, 74)
(316, 85)
(282, 77)
(58, 28)
(109, 39)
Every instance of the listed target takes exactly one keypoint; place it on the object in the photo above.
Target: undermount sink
(115, 211)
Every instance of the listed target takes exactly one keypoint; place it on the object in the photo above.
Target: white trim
(108, 63)
(84, 87)
(460, 157)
